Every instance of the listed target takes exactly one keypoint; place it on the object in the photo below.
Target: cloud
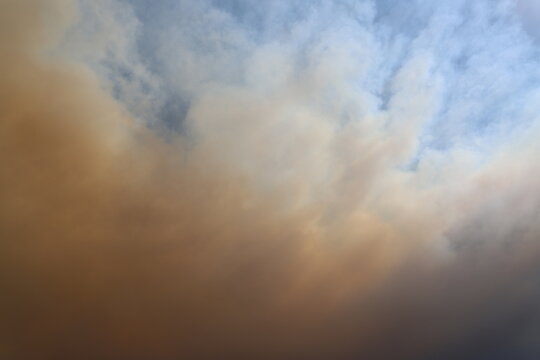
(345, 183)
(529, 11)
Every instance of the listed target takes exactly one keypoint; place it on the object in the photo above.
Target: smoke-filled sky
(274, 180)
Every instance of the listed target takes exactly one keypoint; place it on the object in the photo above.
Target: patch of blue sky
(487, 64)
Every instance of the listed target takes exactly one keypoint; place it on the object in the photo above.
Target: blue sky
(485, 64)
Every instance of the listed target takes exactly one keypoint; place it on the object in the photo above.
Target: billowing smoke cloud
(255, 180)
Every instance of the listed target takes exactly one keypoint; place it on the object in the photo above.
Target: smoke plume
(195, 180)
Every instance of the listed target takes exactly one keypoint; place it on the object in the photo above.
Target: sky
(241, 179)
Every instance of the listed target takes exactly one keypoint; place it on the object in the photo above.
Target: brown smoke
(116, 244)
